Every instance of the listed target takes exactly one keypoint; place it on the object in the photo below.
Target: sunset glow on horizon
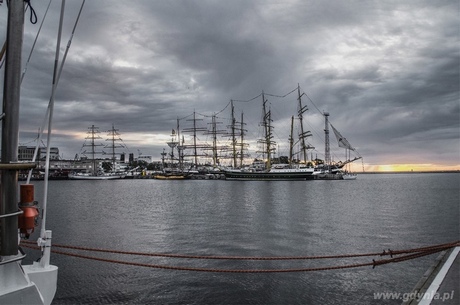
(405, 167)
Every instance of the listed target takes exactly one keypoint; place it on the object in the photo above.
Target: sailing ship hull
(171, 177)
(90, 177)
(276, 175)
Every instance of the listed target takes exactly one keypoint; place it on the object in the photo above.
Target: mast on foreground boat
(32, 284)
(10, 129)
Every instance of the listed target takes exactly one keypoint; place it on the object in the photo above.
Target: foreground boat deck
(441, 282)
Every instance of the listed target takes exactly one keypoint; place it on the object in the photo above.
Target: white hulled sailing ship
(268, 171)
(97, 172)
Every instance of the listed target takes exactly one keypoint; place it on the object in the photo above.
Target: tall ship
(329, 170)
(265, 170)
(174, 171)
(96, 172)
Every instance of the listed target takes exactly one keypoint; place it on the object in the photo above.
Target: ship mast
(214, 132)
(172, 144)
(233, 127)
(194, 131)
(291, 142)
(10, 129)
(327, 149)
(114, 137)
(303, 134)
(180, 146)
(242, 144)
(93, 135)
(195, 154)
(214, 139)
(266, 123)
(237, 127)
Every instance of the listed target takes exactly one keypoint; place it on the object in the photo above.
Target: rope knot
(390, 252)
(33, 15)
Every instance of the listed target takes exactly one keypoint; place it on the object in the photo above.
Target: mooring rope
(410, 254)
(266, 258)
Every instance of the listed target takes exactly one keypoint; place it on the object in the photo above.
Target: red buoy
(28, 220)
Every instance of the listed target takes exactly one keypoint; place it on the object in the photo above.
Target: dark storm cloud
(386, 71)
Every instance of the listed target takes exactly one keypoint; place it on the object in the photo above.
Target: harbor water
(376, 212)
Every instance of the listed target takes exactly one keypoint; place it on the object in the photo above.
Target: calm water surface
(255, 218)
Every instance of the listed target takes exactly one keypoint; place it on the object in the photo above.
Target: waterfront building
(26, 153)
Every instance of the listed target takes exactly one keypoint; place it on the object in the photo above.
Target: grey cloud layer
(386, 71)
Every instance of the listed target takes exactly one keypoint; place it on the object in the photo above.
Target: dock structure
(440, 284)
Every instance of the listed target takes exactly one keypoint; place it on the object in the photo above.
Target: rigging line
(313, 103)
(33, 15)
(246, 101)
(126, 146)
(317, 133)
(57, 82)
(35, 42)
(31, 141)
(273, 95)
(50, 121)
(70, 40)
(187, 116)
(203, 115)
(2, 52)
(223, 109)
(281, 96)
(213, 115)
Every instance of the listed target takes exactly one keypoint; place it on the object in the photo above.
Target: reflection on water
(257, 218)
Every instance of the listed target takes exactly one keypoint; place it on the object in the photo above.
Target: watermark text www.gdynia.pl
(414, 296)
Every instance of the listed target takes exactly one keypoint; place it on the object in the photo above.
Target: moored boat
(349, 176)
(177, 176)
(97, 173)
(328, 170)
(266, 170)
(89, 176)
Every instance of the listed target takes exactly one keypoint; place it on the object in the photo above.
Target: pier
(440, 283)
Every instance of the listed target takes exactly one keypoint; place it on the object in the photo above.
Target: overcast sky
(386, 71)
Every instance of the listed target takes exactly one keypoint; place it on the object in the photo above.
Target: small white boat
(349, 176)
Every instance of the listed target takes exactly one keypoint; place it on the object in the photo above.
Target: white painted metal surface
(431, 291)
